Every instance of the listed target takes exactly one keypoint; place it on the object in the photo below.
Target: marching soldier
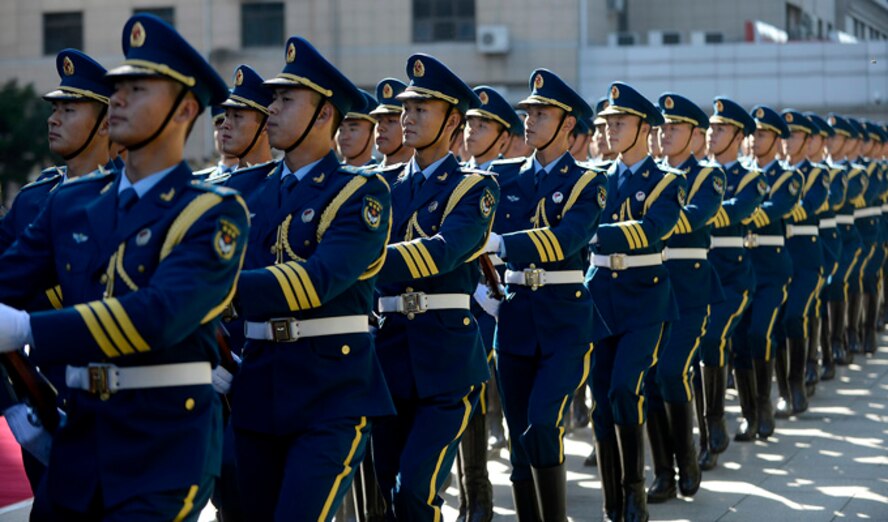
(146, 262)
(244, 130)
(517, 147)
(547, 323)
(696, 285)
(642, 209)
(867, 230)
(804, 246)
(744, 190)
(227, 162)
(428, 342)
(388, 132)
(580, 137)
(604, 156)
(310, 384)
(354, 139)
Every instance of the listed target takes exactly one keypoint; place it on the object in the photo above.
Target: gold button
(508, 216)
(307, 242)
(274, 249)
(68, 267)
(778, 250)
(813, 239)
(434, 228)
(697, 265)
(103, 279)
(189, 404)
(615, 217)
(739, 259)
(411, 315)
(614, 275)
(467, 321)
(532, 265)
(408, 289)
(558, 216)
(656, 279)
(579, 294)
(141, 269)
(346, 349)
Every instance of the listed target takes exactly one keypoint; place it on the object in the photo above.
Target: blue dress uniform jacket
(436, 238)
(851, 240)
(869, 226)
(304, 262)
(142, 292)
(830, 234)
(773, 264)
(637, 219)
(548, 228)
(807, 253)
(27, 204)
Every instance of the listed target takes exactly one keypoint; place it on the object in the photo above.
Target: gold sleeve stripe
(550, 249)
(129, 329)
(536, 242)
(296, 284)
(427, 257)
(54, 299)
(417, 258)
(577, 189)
(313, 299)
(286, 289)
(556, 245)
(92, 324)
(628, 228)
(641, 234)
(630, 240)
(110, 326)
(408, 260)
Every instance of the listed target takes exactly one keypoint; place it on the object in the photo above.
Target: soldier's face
(70, 124)
(600, 138)
(622, 131)
(795, 144)
(421, 121)
(388, 133)
(480, 133)
(289, 114)
(579, 149)
(540, 124)
(815, 145)
(763, 142)
(138, 108)
(720, 136)
(238, 129)
(835, 144)
(675, 138)
(353, 137)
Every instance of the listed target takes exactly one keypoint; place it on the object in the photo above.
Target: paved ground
(830, 463)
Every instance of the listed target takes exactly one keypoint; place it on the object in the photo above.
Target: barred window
(262, 24)
(62, 30)
(443, 20)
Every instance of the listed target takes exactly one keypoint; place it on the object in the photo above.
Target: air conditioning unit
(493, 39)
(622, 39)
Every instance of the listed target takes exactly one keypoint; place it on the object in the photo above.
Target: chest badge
(433, 206)
(307, 215)
(639, 196)
(646, 174)
(143, 237)
(79, 238)
(557, 197)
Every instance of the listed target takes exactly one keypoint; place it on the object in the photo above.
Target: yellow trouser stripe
(92, 324)
(313, 300)
(866, 261)
(417, 258)
(187, 505)
(110, 326)
(408, 260)
(585, 375)
(811, 299)
(129, 329)
(845, 279)
(433, 483)
(771, 324)
(641, 376)
(686, 370)
(346, 469)
(286, 289)
(559, 254)
(724, 335)
(427, 257)
(536, 242)
(295, 284)
(550, 250)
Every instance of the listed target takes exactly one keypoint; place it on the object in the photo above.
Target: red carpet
(14, 485)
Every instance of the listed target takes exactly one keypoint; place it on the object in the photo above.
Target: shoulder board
(821, 166)
(95, 176)
(255, 167)
(215, 189)
(467, 170)
(352, 169)
(508, 161)
(671, 170)
(388, 168)
(858, 166)
(40, 182)
(204, 172)
(706, 163)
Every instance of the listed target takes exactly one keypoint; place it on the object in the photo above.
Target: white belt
(755, 240)
(537, 277)
(827, 223)
(623, 261)
(419, 302)
(105, 379)
(496, 260)
(288, 329)
(670, 254)
(802, 230)
(727, 242)
(845, 219)
(867, 212)
(884, 208)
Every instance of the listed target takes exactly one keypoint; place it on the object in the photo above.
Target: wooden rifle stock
(491, 277)
(33, 387)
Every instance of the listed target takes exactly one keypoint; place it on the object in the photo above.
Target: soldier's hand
(494, 243)
(222, 380)
(29, 432)
(488, 303)
(15, 329)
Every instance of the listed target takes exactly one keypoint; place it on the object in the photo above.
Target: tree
(23, 141)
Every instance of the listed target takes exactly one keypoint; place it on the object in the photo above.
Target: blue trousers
(414, 451)
(536, 393)
(801, 302)
(871, 268)
(756, 335)
(619, 364)
(723, 320)
(670, 377)
(302, 476)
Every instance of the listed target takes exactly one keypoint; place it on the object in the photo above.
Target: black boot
(829, 361)
(681, 425)
(659, 435)
(525, 501)
(708, 459)
(796, 378)
(871, 300)
(714, 389)
(496, 435)
(854, 347)
(373, 503)
(745, 380)
(812, 365)
(592, 460)
(461, 485)
(611, 471)
(765, 410)
(781, 371)
(838, 342)
(579, 409)
(631, 438)
(476, 483)
(551, 487)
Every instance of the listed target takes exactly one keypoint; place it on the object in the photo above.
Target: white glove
(29, 432)
(488, 304)
(15, 329)
(594, 240)
(494, 243)
(222, 379)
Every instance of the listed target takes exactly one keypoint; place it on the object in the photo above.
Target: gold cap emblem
(137, 35)
(68, 66)
(760, 113)
(483, 97)
(387, 91)
(719, 106)
(788, 117)
(668, 103)
(418, 69)
(291, 53)
(239, 78)
(538, 81)
(615, 92)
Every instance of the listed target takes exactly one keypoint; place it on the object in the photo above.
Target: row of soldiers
(338, 308)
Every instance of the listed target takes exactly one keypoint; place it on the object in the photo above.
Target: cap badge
(387, 91)
(760, 113)
(538, 81)
(137, 35)
(239, 78)
(788, 117)
(291, 53)
(668, 103)
(615, 92)
(719, 106)
(68, 66)
(483, 97)
(418, 69)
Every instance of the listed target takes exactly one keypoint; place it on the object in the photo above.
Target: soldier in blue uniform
(604, 155)
(146, 262)
(643, 205)
(227, 163)
(388, 136)
(757, 340)
(580, 137)
(354, 139)
(868, 221)
(744, 190)
(428, 341)
(310, 383)
(547, 323)
(806, 252)
(696, 285)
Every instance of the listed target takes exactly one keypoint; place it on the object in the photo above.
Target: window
(443, 20)
(262, 24)
(670, 38)
(715, 38)
(62, 30)
(625, 39)
(167, 14)
(793, 22)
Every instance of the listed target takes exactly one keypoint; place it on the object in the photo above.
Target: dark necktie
(538, 177)
(287, 185)
(125, 201)
(416, 181)
(624, 176)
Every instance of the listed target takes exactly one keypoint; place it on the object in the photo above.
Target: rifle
(491, 277)
(33, 387)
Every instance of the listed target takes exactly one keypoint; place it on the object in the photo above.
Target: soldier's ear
(569, 123)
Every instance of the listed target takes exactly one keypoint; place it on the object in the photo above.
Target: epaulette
(469, 170)
(508, 161)
(41, 182)
(667, 169)
(215, 189)
(252, 168)
(205, 172)
(821, 166)
(95, 177)
(706, 163)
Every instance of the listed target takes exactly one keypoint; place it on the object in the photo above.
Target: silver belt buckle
(414, 303)
(534, 278)
(617, 262)
(99, 382)
(751, 240)
(280, 330)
